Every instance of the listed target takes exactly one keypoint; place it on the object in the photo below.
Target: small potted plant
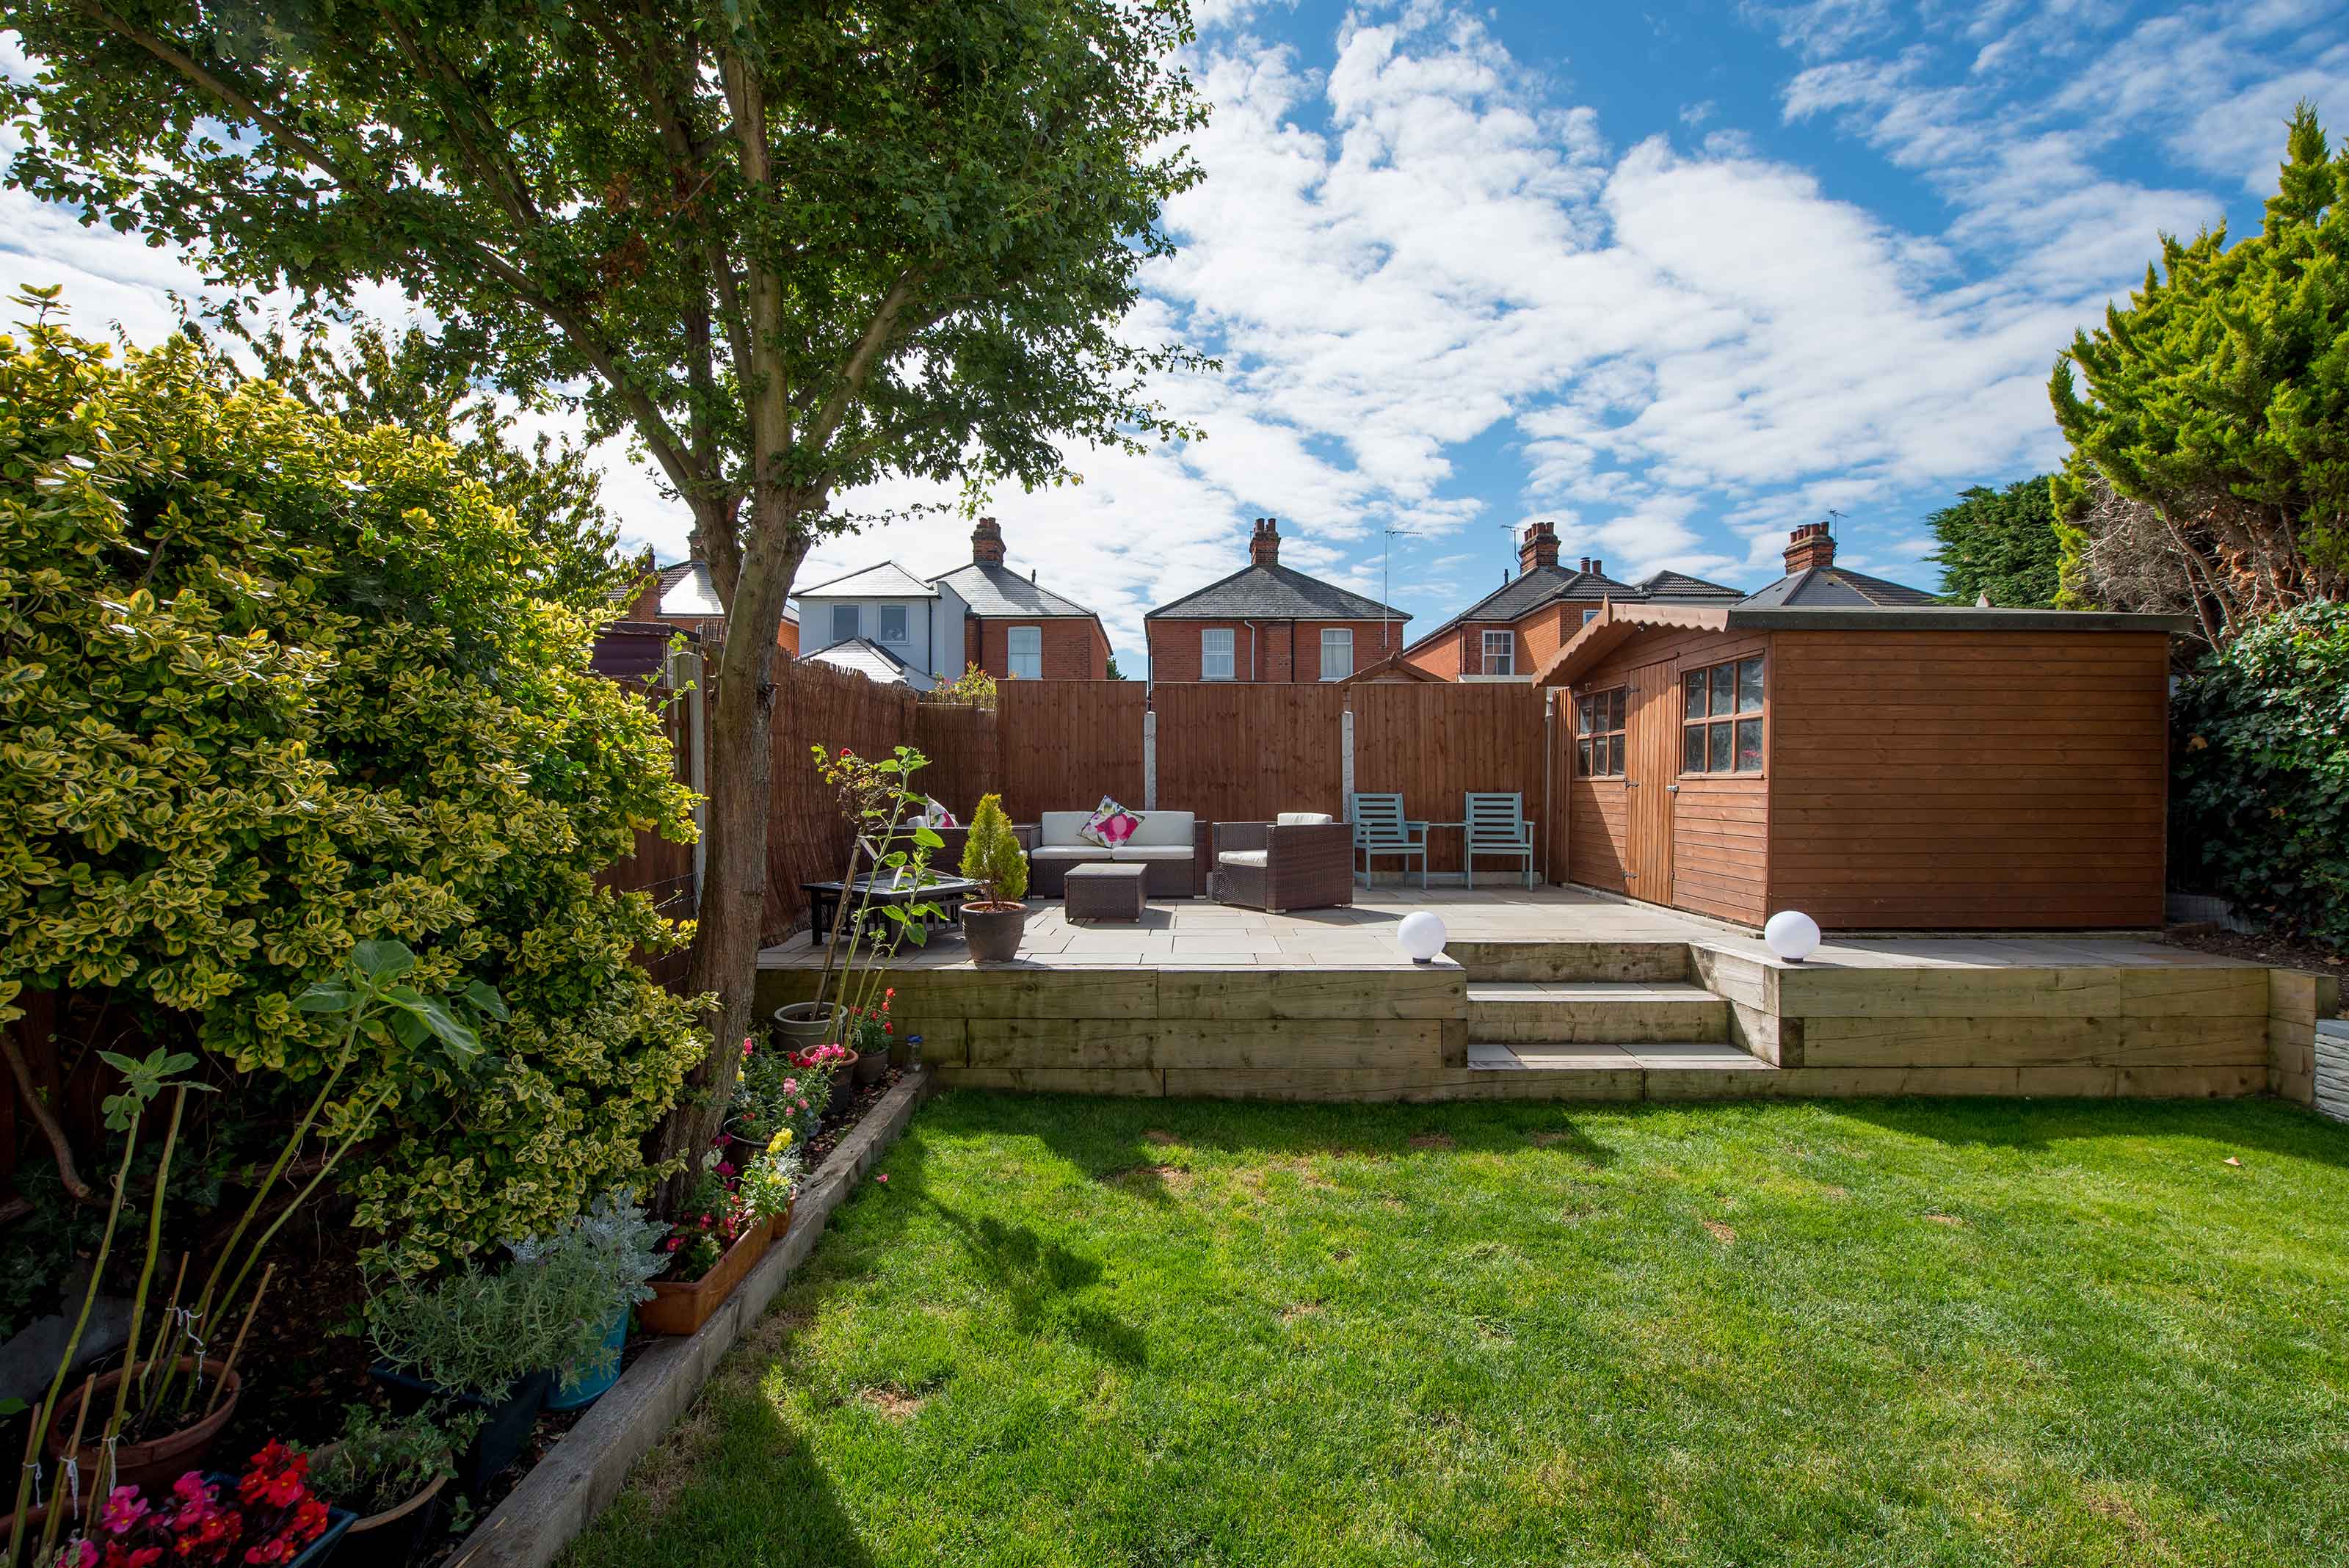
(485, 1342)
(992, 857)
(599, 1259)
(394, 1474)
(771, 1184)
(889, 850)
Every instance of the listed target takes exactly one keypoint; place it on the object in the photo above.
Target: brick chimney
(1809, 546)
(1264, 547)
(1538, 548)
(1594, 565)
(987, 542)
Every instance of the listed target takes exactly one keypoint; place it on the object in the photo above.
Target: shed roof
(887, 580)
(1274, 593)
(1547, 585)
(990, 589)
(1394, 667)
(1619, 623)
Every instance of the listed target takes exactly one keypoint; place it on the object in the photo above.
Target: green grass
(1151, 1332)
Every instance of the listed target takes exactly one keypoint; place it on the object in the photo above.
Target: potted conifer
(993, 858)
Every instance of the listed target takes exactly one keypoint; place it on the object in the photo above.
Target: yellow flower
(779, 1142)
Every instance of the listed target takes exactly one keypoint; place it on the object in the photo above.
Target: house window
(1500, 653)
(1337, 652)
(1599, 734)
(846, 624)
(1216, 654)
(1589, 616)
(893, 622)
(1720, 718)
(1026, 660)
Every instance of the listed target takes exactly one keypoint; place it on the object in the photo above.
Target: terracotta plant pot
(159, 1461)
(801, 1026)
(681, 1307)
(994, 931)
(867, 1067)
(391, 1539)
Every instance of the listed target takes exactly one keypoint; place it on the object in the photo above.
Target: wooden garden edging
(584, 1472)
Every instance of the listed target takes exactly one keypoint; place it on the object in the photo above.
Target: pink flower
(725, 1168)
(84, 1553)
(883, 1178)
(746, 1045)
(790, 1086)
(675, 1243)
(124, 1508)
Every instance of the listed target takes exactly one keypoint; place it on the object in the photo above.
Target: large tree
(786, 245)
(2000, 543)
(2215, 422)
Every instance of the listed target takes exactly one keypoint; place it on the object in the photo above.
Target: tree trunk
(725, 955)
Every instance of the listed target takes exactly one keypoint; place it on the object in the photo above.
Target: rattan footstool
(1106, 891)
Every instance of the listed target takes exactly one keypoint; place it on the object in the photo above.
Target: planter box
(338, 1523)
(681, 1307)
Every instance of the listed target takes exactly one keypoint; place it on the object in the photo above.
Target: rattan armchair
(1285, 864)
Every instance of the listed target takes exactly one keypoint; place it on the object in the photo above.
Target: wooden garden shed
(1852, 749)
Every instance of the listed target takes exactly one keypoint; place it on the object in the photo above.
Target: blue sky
(1677, 277)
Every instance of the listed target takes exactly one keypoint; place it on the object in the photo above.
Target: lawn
(1153, 1333)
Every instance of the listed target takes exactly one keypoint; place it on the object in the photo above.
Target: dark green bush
(2260, 781)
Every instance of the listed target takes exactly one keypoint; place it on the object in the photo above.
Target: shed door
(1650, 766)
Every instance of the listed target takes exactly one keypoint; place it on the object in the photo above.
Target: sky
(1674, 276)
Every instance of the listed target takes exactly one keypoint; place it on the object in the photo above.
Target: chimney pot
(1808, 546)
(987, 542)
(1264, 545)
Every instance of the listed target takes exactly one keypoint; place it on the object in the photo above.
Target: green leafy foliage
(2001, 542)
(2260, 796)
(2219, 402)
(282, 692)
(992, 856)
(379, 1460)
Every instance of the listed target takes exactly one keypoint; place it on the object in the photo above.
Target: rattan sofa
(1300, 860)
(1173, 844)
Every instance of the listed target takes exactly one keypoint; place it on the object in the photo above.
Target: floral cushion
(1110, 825)
(937, 815)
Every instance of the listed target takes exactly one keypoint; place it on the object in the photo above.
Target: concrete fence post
(1150, 759)
(1346, 763)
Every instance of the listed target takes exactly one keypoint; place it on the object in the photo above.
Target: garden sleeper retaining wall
(584, 1472)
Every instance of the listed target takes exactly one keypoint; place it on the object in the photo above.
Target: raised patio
(1554, 992)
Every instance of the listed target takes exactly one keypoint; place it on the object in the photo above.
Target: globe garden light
(1792, 935)
(1421, 936)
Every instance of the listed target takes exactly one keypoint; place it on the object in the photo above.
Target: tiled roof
(687, 589)
(886, 581)
(1274, 593)
(990, 589)
(1524, 594)
(1838, 587)
(865, 658)
(1676, 586)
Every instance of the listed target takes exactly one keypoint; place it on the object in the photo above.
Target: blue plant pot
(570, 1396)
(504, 1428)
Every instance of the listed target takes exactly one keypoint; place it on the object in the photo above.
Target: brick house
(1268, 623)
(1014, 629)
(685, 596)
(1513, 631)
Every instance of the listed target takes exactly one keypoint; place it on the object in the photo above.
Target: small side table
(1106, 891)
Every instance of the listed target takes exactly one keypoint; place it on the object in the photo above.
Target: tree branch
(43, 1117)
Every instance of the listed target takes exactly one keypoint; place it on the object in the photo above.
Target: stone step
(1644, 1056)
(1646, 961)
(1613, 1010)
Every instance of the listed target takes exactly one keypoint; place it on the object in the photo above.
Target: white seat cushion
(1151, 852)
(1161, 828)
(1241, 858)
(1055, 828)
(1068, 852)
(1303, 818)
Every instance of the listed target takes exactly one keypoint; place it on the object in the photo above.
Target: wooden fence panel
(1436, 743)
(807, 840)
(1064, 744)
(1245, 752)
(962, 745)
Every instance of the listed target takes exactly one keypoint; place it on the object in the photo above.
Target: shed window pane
(1693, 697)
(1582, 716)
(1724, 689)
(1582, 758)
(1615, 755)
(1749, 685)
(1718, 761)
(1749, 745)
(1692, 748)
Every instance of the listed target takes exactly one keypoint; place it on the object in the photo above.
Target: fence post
(1150, 759)
(1346, 763)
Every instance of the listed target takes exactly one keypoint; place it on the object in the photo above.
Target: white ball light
(1421, 936)
(1792, 935)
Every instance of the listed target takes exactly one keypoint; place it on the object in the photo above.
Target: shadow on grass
(1037, 1279)
(2258, 1123)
